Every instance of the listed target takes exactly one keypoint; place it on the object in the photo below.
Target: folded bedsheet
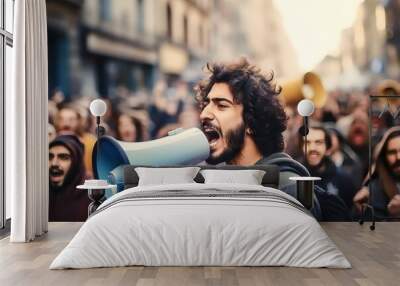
(201, 225)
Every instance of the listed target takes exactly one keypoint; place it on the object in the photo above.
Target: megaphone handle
(306, 130)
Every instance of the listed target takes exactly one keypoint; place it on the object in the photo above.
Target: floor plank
(374, 255)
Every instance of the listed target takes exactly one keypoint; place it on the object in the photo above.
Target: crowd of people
(337, 142)
(338, 151)
(130, 117)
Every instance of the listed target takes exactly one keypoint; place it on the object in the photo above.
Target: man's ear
(329, 152)
(249, 131)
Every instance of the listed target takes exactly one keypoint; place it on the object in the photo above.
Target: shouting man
(244, 121)
(66, 171)
(241, 114)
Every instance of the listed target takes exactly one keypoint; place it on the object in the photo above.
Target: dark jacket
(378, 198)
(335, 181)
(327, 207)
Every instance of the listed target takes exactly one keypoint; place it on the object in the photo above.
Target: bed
(201, 224)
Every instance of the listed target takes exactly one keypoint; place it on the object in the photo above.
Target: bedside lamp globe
(98, 107)
(305, 107)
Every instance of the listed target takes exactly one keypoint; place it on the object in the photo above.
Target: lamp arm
(98, 127)
(305, 138)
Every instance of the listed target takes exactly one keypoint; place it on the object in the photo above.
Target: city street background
(144, 57)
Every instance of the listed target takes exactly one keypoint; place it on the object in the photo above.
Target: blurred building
(392, 49)
(63, 22)
(370, 45)
(267, 39)
(252, 28)
(364, 55)
(369, 33)
(118, 44)
(227, 37)
(96, 46)
(183, 31)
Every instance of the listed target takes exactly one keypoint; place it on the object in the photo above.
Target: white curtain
(26, 124)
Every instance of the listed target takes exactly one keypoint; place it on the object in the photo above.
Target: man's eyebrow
(219, 99)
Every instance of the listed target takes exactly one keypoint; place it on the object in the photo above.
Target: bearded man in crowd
(333, 179)
(66, 171)
(384, 185)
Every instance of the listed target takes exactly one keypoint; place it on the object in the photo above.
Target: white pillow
(163, 176)
(249, 177)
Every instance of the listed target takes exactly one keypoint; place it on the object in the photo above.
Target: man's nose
(206, 114)
(311, 146)
(53, 162)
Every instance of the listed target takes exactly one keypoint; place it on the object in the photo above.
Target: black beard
(395, 164)
(392, 167)
(235, 141)
(317, 168)
(55, 186)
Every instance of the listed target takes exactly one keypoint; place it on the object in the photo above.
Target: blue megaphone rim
(107, 155)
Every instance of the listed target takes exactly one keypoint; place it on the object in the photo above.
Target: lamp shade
(98, 107)
(305, 107)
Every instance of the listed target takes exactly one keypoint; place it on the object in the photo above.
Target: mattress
(201, 225)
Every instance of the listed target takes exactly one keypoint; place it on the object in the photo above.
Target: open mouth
(55, 173)
(212, 134)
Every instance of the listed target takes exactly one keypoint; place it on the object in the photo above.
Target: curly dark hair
(262, 112)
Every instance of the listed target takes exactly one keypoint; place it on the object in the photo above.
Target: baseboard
(5, 231)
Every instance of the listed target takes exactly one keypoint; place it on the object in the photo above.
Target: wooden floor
(374, 255)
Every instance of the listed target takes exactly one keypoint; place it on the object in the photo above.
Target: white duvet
(185, 230)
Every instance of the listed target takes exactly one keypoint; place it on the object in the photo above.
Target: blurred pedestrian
(343, 156)
(166, 107)
(51, 132)
(130, 128)
(358, 138)
(69, 121)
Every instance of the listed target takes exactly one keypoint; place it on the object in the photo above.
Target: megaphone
(180, 147)
(388, 87)
(389, 90)
(309, 86)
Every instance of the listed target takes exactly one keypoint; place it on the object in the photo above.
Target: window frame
(140, 17)
(105, 12)
(6, 39)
